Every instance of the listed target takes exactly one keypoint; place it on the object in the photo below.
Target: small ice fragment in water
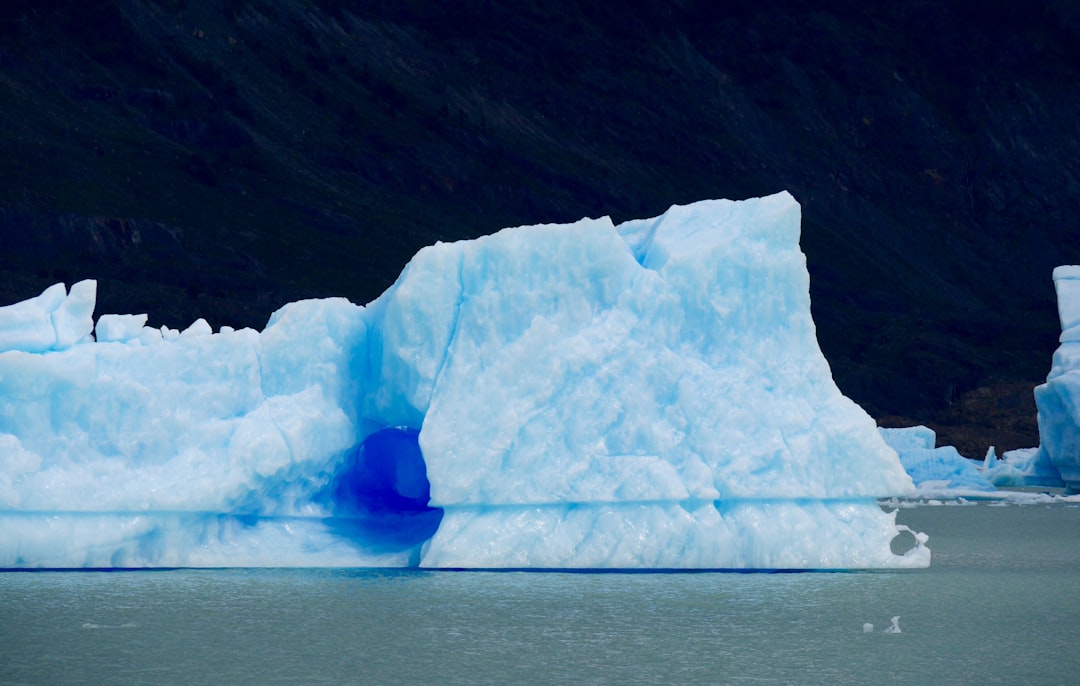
(893, 628)
(867, 628)
(94, 625)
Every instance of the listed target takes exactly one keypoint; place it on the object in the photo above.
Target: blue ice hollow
(648, 395)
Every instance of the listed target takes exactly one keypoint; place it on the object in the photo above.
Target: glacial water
(999, 605)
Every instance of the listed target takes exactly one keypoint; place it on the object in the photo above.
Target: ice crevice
(586, 395)
(454, 320)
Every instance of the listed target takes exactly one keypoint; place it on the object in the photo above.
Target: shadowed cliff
(222, 158)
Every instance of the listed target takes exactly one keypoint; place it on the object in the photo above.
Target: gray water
(999, 605)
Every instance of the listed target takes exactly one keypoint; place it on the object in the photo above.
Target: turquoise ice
(1056, 462)
(647, 395)
(936, 471)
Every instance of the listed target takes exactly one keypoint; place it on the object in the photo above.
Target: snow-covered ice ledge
(648, 395)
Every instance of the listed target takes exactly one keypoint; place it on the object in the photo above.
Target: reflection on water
(998, 605)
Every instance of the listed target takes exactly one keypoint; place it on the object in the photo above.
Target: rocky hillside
(219, 158)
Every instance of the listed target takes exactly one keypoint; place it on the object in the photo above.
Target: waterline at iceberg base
(647, 395)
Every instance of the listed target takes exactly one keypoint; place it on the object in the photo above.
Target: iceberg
(589, 395)
(937, 471)
(1056, 462)
(1024, 468)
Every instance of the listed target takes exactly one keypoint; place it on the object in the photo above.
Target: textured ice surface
(557, 396)
(1058, 399)
(937, 472)
(54, 320)
(1024, 467)
(1056, 462)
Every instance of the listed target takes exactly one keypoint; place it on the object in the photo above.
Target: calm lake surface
(999, 605)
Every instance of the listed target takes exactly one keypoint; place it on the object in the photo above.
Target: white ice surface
(586, 395)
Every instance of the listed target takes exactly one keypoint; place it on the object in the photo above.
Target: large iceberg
(648, 395)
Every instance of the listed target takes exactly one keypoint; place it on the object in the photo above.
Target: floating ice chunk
(945, 465)
(1024, 467)
(937, 472)
(894, 626)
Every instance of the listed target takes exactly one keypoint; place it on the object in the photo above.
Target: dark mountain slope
(221, 158)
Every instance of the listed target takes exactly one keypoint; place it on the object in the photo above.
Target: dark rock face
(219, 158)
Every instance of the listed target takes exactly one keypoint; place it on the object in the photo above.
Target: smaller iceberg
(1024, 468)
(937, 472)
(1056, 462)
